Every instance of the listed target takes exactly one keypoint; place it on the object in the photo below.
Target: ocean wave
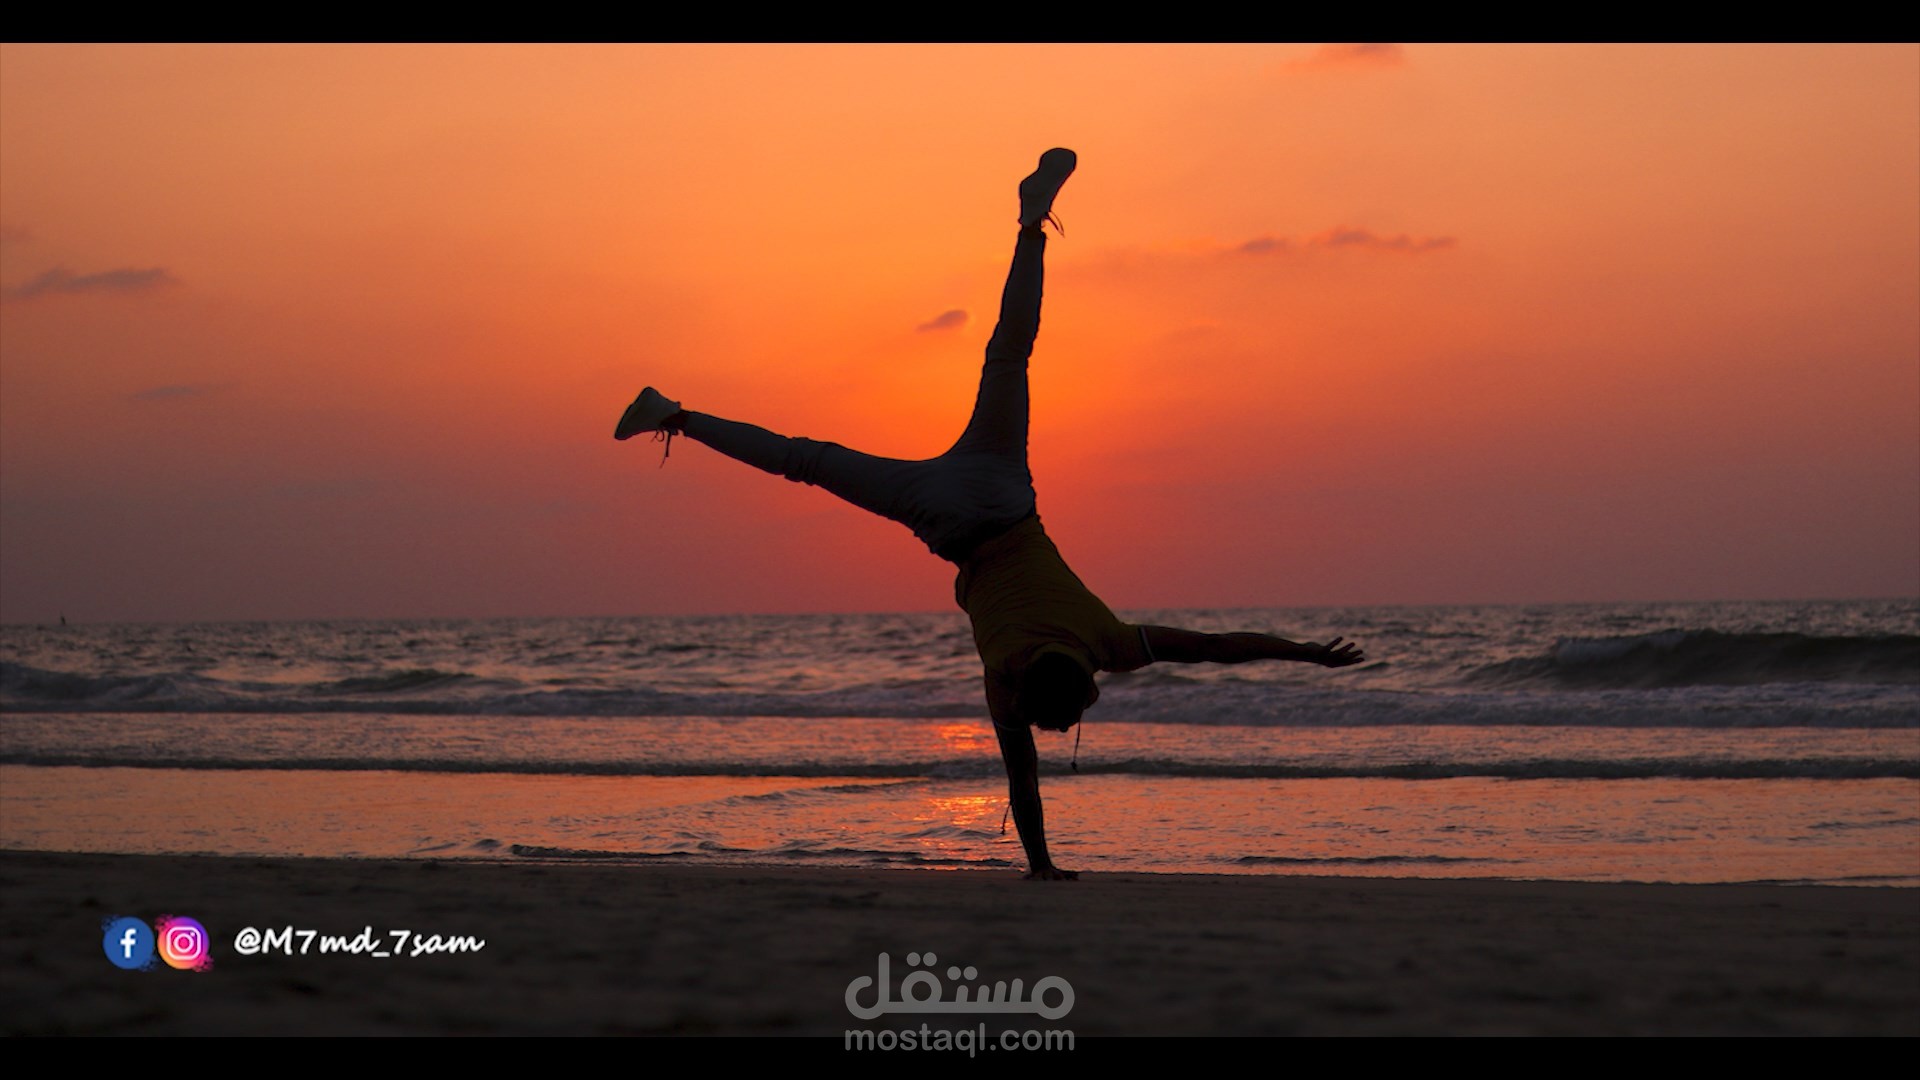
(1703, 768)
(1576, 678)
(407, 680)
(1887, 823)
(23, 686)
(1361, 860)
(435, 692)
(792, 852)
(1678, 658)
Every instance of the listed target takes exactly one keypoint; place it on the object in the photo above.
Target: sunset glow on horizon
(310, 331)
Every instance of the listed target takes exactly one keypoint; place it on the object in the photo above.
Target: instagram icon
(182, 943)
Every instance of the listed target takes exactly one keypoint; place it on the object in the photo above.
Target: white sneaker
(1038, 190)
(647, 413)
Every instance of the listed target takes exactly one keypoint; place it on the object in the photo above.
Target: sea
(1679, 742)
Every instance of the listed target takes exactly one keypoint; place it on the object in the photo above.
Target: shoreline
(670, 948)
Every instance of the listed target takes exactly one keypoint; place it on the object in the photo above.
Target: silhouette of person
(1040, 632)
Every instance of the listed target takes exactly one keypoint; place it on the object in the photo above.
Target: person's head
(1052, 692)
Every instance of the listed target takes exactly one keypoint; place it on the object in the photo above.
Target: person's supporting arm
(1195, 647)
(1023, 783)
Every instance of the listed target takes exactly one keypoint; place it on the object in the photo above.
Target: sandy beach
(671, 949)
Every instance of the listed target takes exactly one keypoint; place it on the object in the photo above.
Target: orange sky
(321, 331)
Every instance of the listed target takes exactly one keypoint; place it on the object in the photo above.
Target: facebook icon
(129, 943)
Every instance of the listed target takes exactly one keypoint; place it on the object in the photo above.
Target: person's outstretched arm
(1023, 782)
(1194, 647)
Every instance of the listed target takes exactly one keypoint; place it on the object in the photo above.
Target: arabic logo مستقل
(922, 992)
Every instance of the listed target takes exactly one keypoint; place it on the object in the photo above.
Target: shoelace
(664, 435)
(1079, 730)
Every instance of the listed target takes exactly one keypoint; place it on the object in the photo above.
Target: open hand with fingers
(1335, 654)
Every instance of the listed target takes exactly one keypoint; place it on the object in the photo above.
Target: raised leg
(880, 485)
(1001, 405)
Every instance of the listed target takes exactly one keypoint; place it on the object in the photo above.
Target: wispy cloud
(1351, 55)
(946, 320)
(1347, 237)
(1266, 245)
(61, 281)
(178, 390)
(13, 234)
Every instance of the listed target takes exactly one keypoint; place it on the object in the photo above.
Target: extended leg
(877, 484)
(884, 486)
(1001, 406)
(999, 422)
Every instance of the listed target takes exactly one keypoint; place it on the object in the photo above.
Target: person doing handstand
(1040, 632)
